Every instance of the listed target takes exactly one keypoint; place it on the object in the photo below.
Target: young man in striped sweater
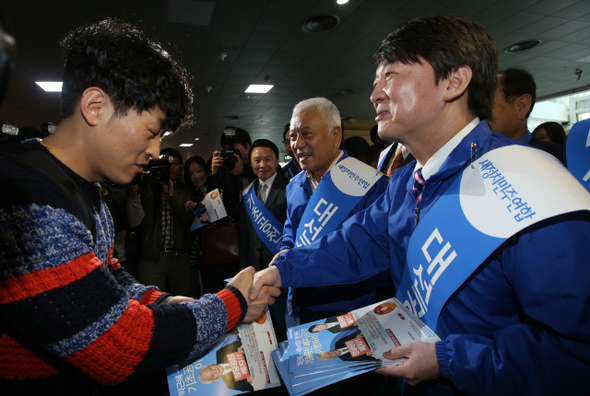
(70, 317)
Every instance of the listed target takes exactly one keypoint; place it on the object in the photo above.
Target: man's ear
(523, 103)
(337, 135)
(457, 83)
(94, 105)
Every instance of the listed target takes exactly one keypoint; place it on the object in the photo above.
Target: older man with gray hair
(331, 188)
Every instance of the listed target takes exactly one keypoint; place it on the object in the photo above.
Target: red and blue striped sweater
(70, 316)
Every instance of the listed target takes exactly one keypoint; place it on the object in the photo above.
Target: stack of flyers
(241, 362)
(326, 351)
(211, 211)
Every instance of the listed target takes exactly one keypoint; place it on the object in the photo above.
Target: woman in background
(196, 177)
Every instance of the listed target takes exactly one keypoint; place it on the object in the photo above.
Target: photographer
(231, 170)
(165, 228)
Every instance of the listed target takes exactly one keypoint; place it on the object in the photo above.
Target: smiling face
(211, 372)
(319, 327)
(405, 99)
(197, 175)
(264, 162)
(312, 143)
(123, 145)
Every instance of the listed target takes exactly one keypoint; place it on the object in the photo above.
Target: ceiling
(263, 40)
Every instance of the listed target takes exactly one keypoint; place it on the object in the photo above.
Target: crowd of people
(103, 282)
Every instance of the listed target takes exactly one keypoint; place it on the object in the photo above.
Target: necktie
(262, 192)
(418, 186)
(397, 161)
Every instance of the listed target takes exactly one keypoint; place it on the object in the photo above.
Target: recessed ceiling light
(259, 88)
(522, 46)
(186, 145)
(196, 138)
(320, 23)
(341, 2)
(50, 86)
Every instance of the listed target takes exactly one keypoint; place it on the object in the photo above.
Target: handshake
(259, 289)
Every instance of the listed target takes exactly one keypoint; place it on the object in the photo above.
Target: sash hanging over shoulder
(484, 206)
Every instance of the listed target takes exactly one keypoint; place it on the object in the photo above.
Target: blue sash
(578, 152)
(384, 155)
(484, 206)
(291, 170)
(268, 228)
(340, 190)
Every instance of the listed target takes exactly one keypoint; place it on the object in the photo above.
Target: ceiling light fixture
(522, 46)
(50, 86)
(186, 145)
(320, 23)
(341, 2)
(259, 88)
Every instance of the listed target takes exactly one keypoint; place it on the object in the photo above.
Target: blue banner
(578, 152)
(484, 206)
(268, 228)
(337, 194)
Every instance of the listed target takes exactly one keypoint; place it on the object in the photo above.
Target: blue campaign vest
(578, 152)
(340, 190)
(486, 204)
(268, 228)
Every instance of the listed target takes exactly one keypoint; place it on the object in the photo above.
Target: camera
(229, 160)
(158, 170)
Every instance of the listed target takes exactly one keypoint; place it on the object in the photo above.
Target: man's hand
(191, 205)
(265, 278)
(272, 262)
(217, 162)
(179, 299)
(243, 281)
(421, 363)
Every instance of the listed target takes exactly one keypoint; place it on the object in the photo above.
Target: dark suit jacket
(556, 150)
(253, 251)
(228, 378)
(340, 343)
(389, 157)
(337, 329)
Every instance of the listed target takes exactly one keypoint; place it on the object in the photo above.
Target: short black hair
(516, 82)
(448, 43)
(554, 130)
(172, 153)
(354, 145)
(242, 137)
(134, 71)
(287, 129)
(264, 143)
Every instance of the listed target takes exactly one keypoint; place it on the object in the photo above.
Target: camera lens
(230, 162)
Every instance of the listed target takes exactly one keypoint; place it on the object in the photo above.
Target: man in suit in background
(393, 157)
(264, 157)
(513, 104)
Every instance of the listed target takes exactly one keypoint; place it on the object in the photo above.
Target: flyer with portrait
(241, 362)
(322, 352)
(211, 210)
